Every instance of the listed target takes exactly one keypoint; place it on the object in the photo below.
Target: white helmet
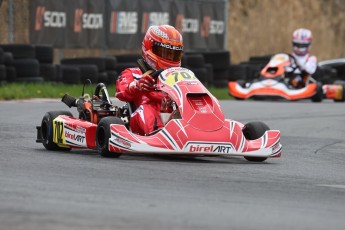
(301, 40)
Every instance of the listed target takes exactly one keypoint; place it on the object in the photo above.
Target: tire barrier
(20, 51)
(260, 59)
(44, 54)
(112, 76)
(30, 79)
(219, 59)
(69, 74)
(196, 63)
(220, 79)
(102, 78)
(110, 63)
(88, 72)
(237, 72)
(8, 59)
(11, 74)
(252, 69)
(125, 61)
(210, 76)
(106, 68)
(99, 62)
(48, 72)
(24, 61)
(2, 73)
(121, 66)
(201, 74)
(26, 68)
(128, 57)
(1, 56)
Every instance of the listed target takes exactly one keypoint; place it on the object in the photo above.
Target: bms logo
(154, 19)
(46, 18)
(124, 22)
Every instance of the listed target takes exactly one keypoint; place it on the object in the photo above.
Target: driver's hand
(144, 84)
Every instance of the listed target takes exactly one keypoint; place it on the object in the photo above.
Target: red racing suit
(146, 117)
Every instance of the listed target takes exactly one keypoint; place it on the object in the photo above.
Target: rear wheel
(103, 134)
(252, 131)
(342, 83)
(47, 130)
(318, 96)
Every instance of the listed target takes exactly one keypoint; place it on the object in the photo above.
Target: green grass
(10, 91)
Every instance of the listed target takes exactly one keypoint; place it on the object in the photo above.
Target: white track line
(332, 185)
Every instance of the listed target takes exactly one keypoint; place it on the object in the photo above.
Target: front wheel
(103, 135)
(47, 130)
(253, 131)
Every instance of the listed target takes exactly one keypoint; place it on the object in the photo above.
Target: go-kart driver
(302, 64)
(162, 48)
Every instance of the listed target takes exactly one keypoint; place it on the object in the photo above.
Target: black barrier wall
(121, 24)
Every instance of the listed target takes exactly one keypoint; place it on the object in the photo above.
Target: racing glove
(144, 84)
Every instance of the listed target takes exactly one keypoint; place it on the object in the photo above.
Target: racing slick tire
(47, 130)
(252, 131)
(342, 83)
(318, 96)
(103, 134)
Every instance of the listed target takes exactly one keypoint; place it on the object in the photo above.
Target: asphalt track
(304, 189)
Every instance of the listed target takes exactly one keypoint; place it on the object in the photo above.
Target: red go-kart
(195, 127)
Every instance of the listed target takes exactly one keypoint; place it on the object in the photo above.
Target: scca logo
(87, 21)
(209, 26)
(217, 27)
(124, 22)
(154, 19)
(53, 19)
(187, 25)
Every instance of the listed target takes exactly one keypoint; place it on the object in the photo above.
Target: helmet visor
(168, 52)
(300, 45)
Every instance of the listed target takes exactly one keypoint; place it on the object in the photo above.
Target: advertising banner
(48, 22)
(121, 24)
(94, 23)
(124, 30)
(76, 35)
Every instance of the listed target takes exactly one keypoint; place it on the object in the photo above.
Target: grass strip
(12, 91)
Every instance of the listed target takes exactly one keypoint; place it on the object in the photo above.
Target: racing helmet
(301, 40)
(162, 47)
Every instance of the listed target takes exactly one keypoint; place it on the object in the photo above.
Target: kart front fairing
(271, 87)
(200, 130)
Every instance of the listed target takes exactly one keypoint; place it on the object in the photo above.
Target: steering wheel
(293, 65)
(144, 68)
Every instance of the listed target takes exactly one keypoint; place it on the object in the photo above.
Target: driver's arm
(310, 66)
(122, 86)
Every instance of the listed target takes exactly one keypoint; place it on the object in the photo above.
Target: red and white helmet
(162, 47)
(301, 40)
